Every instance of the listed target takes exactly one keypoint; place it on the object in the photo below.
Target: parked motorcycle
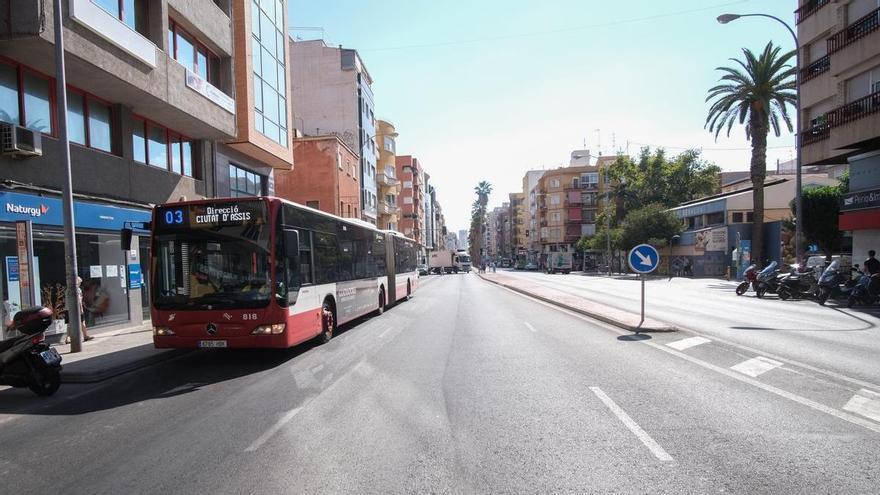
(750, 277)
(798, 284)
(768, 280)
(866, 290)
(830, 283)
(27, 361)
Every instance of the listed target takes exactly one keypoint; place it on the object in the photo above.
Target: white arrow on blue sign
(644, 258)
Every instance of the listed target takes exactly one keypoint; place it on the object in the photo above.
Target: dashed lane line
(529, 326)
(273, 430)
(866, 403)
(688, 343)
(637, 430)
(756, 366)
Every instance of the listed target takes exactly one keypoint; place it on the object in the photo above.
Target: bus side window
(326, 258)
(305, 257)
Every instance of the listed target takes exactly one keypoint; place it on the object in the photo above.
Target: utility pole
(74, 318)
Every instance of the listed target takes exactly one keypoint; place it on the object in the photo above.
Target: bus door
(391, 288)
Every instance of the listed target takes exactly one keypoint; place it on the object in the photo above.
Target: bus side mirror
(125, 239)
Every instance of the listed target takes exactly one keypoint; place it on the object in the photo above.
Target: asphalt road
(467, 388)
(830, 337)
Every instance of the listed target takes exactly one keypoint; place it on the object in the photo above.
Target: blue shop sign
(47, 210)
(135, 278)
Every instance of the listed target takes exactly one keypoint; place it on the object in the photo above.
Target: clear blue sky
(487, 89)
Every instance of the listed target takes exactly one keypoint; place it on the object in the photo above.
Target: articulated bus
(265, 272)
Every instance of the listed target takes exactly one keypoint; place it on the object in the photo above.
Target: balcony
(855, 31)
(808, 9)
(385, 180)
(388, 209)
(816, 68)
(846, 128)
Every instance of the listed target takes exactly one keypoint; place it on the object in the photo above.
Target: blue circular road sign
(644, 258)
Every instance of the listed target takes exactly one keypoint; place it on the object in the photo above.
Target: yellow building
(388, 185)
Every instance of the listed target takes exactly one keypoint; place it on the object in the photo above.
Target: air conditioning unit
(16, 140)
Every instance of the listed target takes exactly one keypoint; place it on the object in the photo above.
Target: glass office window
(99, 125)
(76, 117)
(37, 103)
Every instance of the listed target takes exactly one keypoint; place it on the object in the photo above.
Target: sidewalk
(619, 318)
(112, 353)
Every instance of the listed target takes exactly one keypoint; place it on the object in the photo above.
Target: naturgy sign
(32, 211)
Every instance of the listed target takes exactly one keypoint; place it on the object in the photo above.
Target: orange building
(325, 177)
(411, 199)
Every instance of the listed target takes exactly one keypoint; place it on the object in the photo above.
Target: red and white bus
(265, 272)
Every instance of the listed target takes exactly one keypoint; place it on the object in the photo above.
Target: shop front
(113, 293)
(860, 214)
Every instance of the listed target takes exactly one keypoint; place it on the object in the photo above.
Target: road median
(604, 313)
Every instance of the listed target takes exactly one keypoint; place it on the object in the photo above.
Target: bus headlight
(162, 331)
(273, 329)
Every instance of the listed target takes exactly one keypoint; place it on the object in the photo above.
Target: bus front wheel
(328, 322)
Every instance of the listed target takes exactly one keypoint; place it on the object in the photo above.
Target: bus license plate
(212, 343)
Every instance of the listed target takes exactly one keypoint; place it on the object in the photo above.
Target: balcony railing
(845, 114)
(388, 209)
(855, 31)
(385, 180)
(816, 68)
(808, 9)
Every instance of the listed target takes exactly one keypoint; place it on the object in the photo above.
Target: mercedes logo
(212, 329)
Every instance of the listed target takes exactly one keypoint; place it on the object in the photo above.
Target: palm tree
(478, 220)
(755, 94)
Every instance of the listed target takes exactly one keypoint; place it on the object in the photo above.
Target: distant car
(423, 269)
(531, 265)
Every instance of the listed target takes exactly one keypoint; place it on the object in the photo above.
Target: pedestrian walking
(79, 301)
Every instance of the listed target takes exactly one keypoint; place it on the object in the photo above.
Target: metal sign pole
(643, 301)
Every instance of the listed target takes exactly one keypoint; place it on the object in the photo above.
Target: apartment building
(519, 234)
(839, 43)
(530, 217)
(326, 178)
(332, 90)
(411, 199)
(386, 176)
(568, 204)
(150, 91)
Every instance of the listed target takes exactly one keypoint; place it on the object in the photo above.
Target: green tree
(755, 94)
(653, 224)
(821, 207)
(478, 220)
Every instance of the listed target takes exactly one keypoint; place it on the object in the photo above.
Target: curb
(596, 316)
(110, 372)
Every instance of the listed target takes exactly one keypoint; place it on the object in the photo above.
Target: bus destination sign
(200, 216)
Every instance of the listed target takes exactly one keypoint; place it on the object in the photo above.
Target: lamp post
(724, 19)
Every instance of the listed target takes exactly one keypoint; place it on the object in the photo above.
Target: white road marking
(688, 343)
(866, 403)
(850, 418)
(386, 331)
(756, 366)
(273, 430)
(317, 369)
(637, 430)
(529, 326)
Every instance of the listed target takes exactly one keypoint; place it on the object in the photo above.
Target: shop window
(161, 147)
(192, 54)
(715, 218)
(244, 183)
(737, 217)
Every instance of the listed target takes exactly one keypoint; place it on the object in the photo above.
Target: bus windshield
(221, 266)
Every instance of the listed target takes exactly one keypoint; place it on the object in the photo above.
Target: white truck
(559, 263)
(442, 261)
(462, 261)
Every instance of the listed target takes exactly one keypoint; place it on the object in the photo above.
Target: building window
(313, 204)
(89, 121)
(555, 199)
(244, 183)
(192, 54)
(750, 217)
(131, 12)
(554, 182)
(736, 217)
(268, 49)
(161, 147)
(27, 98)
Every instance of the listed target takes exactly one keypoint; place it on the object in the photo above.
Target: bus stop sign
(644, 258)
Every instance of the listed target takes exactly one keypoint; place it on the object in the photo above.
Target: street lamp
(724, 19)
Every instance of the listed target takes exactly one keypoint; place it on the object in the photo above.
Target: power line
(702, 148)
(555, 31)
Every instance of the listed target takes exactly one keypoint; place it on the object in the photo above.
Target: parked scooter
(768, 280)
(866, 290)
(798, 284)
(830, 283)
(27, 361)
(750, 277)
